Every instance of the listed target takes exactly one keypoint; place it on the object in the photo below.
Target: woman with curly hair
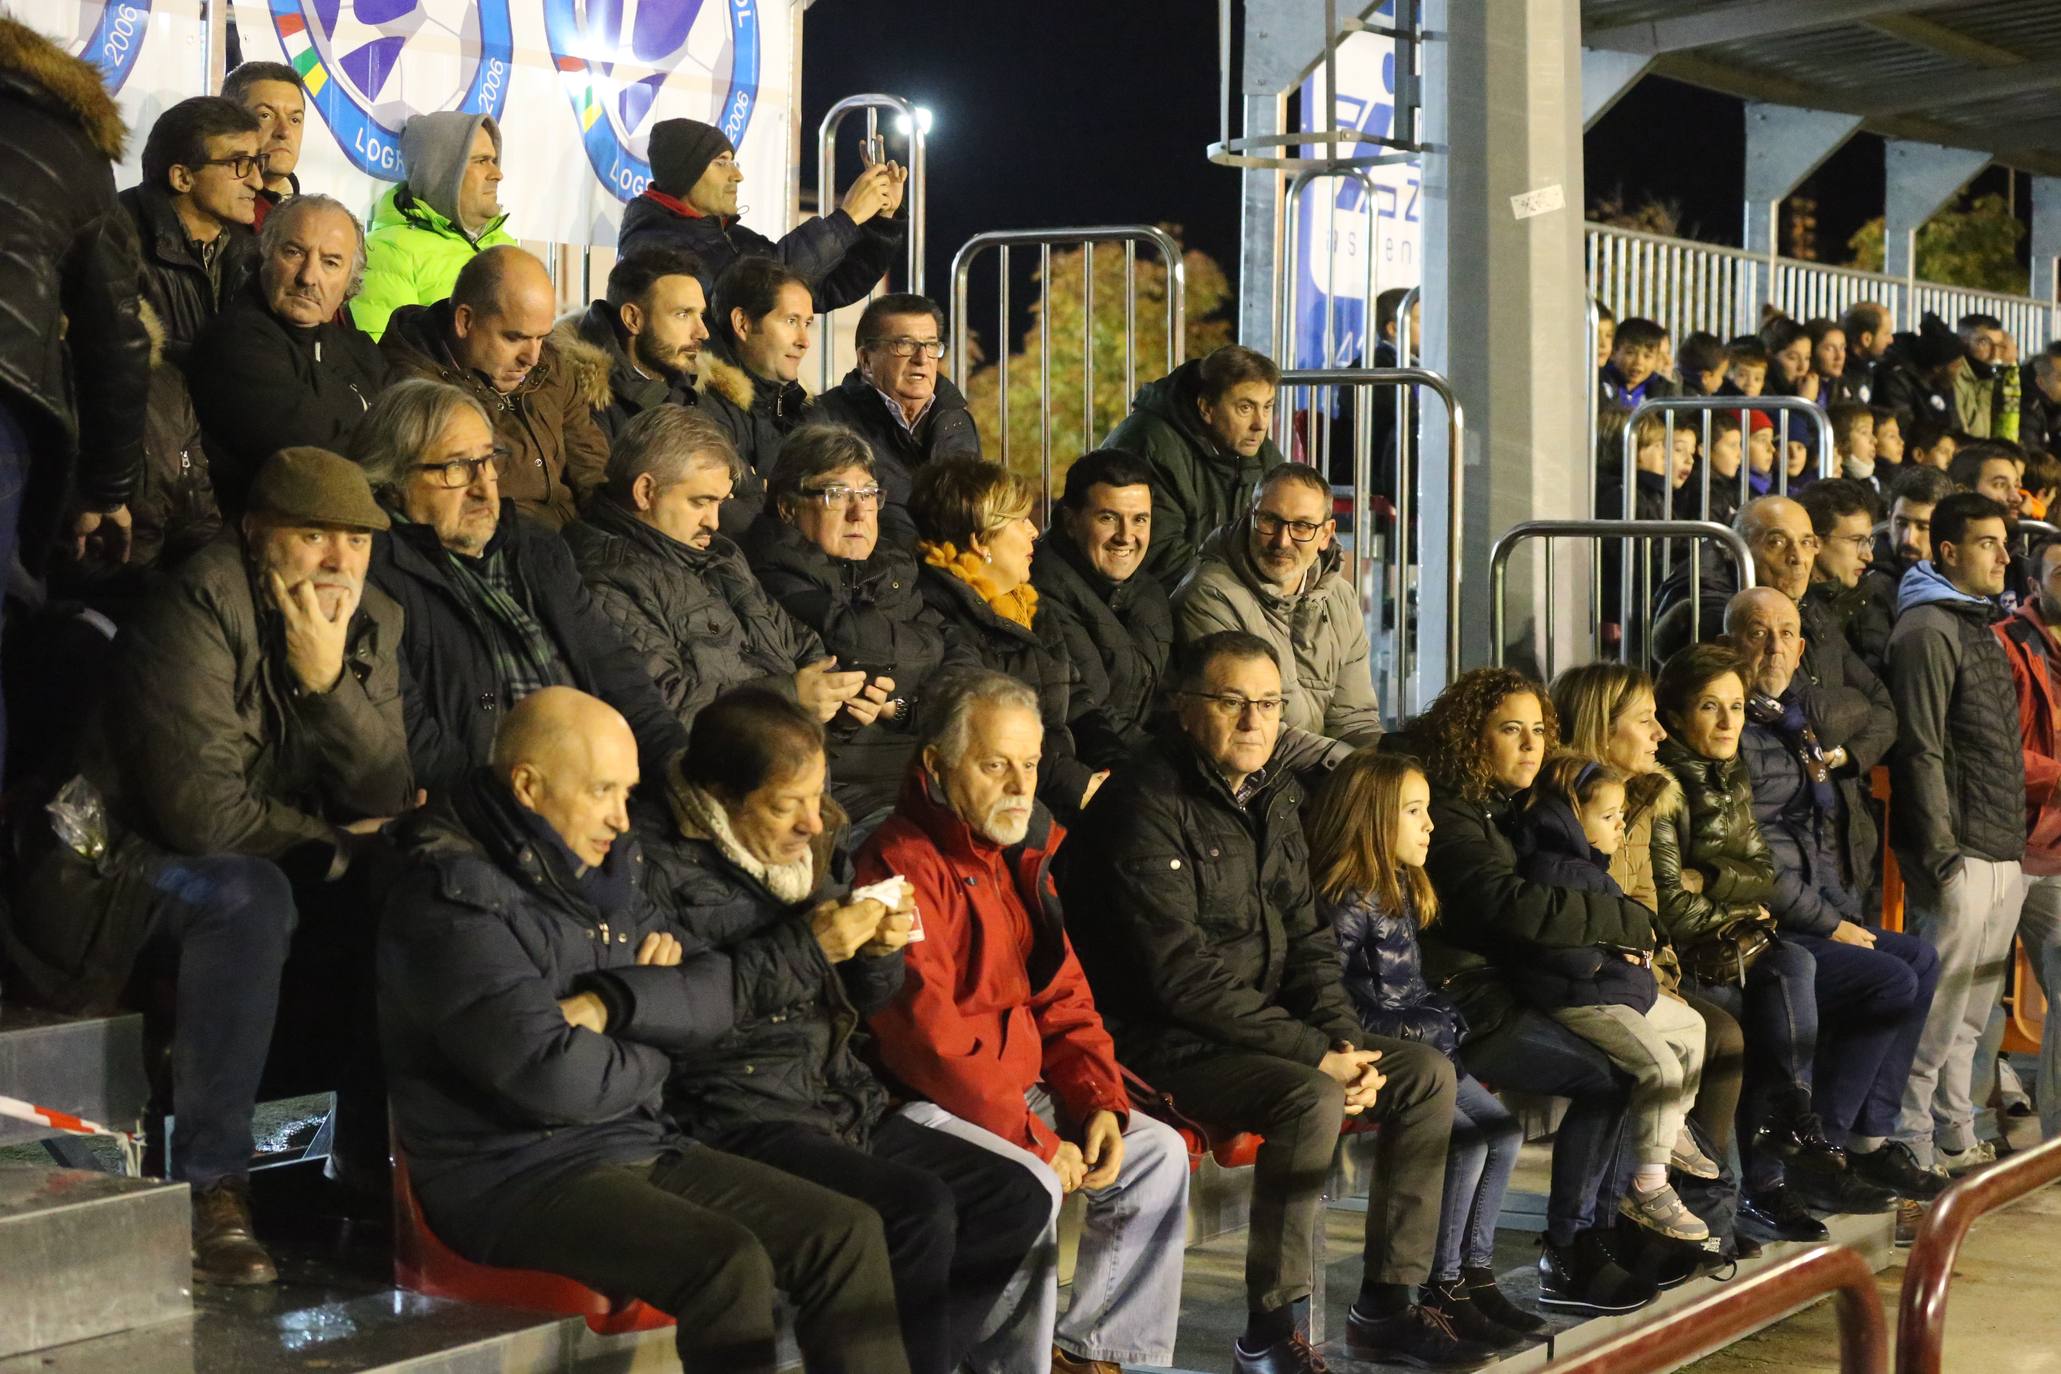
(1482, 741)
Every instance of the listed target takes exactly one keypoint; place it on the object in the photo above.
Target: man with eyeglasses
(495, 608)
(1222, 987)
(691, 203)
(899, 400)
(276, 368)
(650, 326)
(193, 212)
(1278, 574)
(1842, 597)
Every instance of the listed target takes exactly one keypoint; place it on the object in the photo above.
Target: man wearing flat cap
(691, 203)
(246, 749)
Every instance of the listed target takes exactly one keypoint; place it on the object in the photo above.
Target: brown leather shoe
(1063, 1363)
(224, 1250)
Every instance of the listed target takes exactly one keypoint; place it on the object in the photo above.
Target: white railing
(1688, 286)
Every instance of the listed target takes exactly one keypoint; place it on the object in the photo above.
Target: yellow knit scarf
(1020, 605)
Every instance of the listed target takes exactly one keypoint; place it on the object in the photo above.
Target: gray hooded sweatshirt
(435, 149)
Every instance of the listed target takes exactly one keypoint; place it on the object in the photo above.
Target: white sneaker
(1685, 1158)
(1958, 1162)
(1662, 1210)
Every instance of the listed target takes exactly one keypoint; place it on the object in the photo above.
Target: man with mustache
(277, 367)
(492, 336)
(651, 326)
(994, 1026)
(1113, 614)
(247, 750)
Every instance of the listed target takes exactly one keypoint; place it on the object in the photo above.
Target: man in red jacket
(995, 1026)
(2032, 641)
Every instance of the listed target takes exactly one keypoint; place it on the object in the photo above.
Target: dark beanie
(681, 150)
(1937, 344)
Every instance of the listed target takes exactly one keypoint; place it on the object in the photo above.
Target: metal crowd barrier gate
(1499, 563)
(915, 197)
(1045, 240)
(1921, 1307)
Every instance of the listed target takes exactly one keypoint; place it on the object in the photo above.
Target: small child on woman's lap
(1571, 823)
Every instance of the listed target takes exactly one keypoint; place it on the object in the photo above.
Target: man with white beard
(994, 1026)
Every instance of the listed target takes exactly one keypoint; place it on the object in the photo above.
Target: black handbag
(1727, 953)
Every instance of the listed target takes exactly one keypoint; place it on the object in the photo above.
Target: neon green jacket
(412, 257)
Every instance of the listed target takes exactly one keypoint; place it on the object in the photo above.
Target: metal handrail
(1045, 240)
(915, 199)
(1718, 1318)
(1499, 557)
(1404, 378)
(1921, 1306)
(1289, 271)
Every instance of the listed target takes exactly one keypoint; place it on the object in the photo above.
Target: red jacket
(993, 1001)
(2030, 649)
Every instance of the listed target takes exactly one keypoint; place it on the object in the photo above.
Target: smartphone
(871, 670)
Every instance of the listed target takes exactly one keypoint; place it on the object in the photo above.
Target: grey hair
(402, 423)
(946, 720)
(275, 229)
(813, 451)
(1295, 474)
(665, 441)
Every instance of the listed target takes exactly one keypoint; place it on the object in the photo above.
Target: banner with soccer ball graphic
(575, 85)
(152, 54)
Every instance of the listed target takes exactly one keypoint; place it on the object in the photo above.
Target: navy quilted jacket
(1384, 974)
(1553, 849)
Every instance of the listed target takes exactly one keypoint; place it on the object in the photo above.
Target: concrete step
(90, 1066)
(84, 1254)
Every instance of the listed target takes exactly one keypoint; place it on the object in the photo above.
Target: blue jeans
(1777, 1008)
(226, 921)
(1532, 1052)
(1872, 1003)
(1486, 1139)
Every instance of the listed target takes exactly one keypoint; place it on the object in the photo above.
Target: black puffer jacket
(696, 617)
(629, 392)
(787, 1055)
(871, 615)
(756, 414)
(1862, 614)
(185, 294)
(1714, 833)
(1384, 974)
(74, 355)
(1037, 657)
(1118, 634)
(1899, 383)
(944, 430)
(452, 687)
(1814, 889)
(1195, 919)
(1553, 849)
(494, 1095)
(260, 385)
(840, 260)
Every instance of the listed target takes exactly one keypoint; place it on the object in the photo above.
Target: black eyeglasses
(1230, 704)
(454, 473)
(1301, 531)
(240, 165)
(837, 497)
(905, 347)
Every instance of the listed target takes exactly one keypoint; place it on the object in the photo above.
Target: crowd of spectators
(772, 864)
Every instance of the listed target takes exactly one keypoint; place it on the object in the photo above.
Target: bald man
(531, 1003)
(493, 337)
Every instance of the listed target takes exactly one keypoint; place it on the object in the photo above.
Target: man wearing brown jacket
(493, 337)
(249, 745)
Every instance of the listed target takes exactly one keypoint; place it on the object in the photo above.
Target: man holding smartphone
(692, 203)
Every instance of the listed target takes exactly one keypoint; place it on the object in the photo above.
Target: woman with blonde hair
(1368, 830)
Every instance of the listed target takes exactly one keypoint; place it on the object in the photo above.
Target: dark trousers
(1871, 1008)
(1716, 1108)
(1298, 1111)
(1531, 1052)
(712, 1239)
(959, 1220)
(16, 458)
(224, 923)
(1777, 1008)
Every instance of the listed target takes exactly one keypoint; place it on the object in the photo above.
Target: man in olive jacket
(1223, 988)
(1203, 427)
(250, 743)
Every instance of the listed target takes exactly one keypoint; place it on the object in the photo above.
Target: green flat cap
(312, 486)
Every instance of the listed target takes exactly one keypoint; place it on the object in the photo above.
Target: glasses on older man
(240, 165)
(1301, 531)
(840, 497)
(1231, 705)
(905, 347)
(454, 473)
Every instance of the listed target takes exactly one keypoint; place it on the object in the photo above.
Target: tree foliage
(1208, 292)
(1974, 244)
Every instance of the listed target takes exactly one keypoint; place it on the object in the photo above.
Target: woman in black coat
(817, 552)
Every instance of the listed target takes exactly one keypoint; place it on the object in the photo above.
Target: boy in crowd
(1703, 362)
(1746, 367)
(1853, 439)
(1633, 372)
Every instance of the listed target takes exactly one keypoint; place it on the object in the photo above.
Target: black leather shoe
(1419, 1337)
(1294, 1355)
(1495, 1304)
(1894, 1167)
(224, 1250)
(1779, 1214)
(1469, 1320)
(1795, 1135)
(1584, 1277)
(1841, 1192)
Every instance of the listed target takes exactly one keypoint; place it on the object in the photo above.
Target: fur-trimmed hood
(724, 375)
(586, 365)
(71, 83)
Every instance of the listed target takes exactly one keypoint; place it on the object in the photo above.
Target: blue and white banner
(1334, 238)
(151, 52)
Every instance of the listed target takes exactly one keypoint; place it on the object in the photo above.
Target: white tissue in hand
(889, 892)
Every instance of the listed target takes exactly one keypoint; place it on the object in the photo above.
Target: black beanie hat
(681, 150)
(1938, 344)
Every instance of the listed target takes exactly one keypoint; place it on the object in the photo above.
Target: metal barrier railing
(1921, 1307)
(1403, 700)
(1500, 552)
(915, 202)
(1045, 240)
(1713, 1321)
(1289, 274)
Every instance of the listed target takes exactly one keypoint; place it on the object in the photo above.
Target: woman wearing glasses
(975, 538)
(818, 553)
